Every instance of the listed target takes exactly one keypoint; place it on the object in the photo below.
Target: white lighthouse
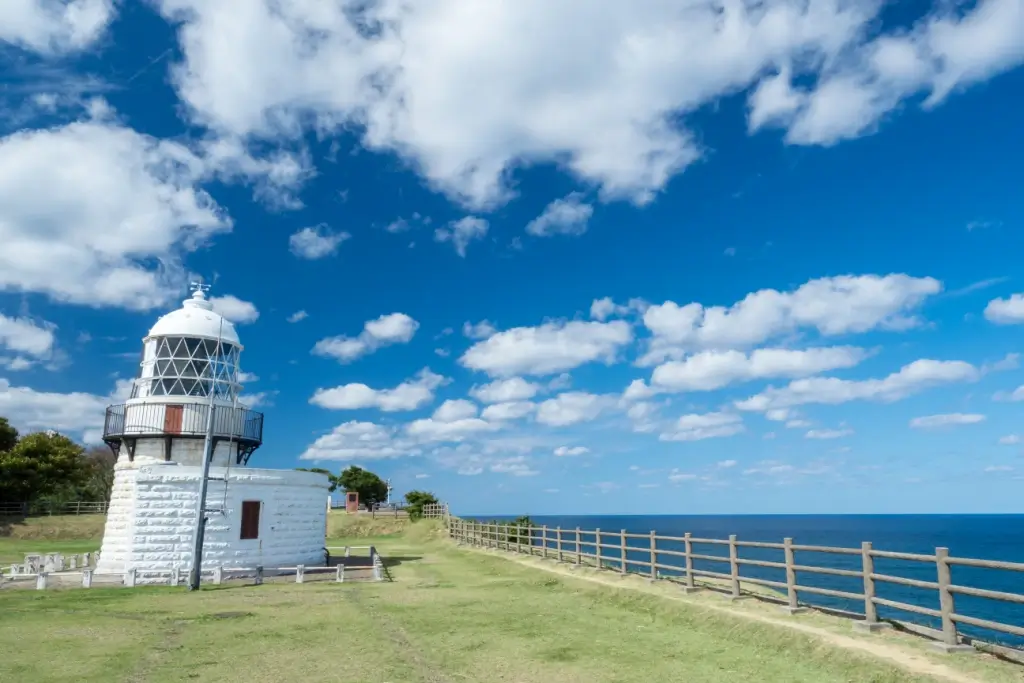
(255, 517)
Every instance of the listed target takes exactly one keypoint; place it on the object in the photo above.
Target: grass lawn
(449, 615)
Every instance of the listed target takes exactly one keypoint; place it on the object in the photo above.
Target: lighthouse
(185, 397)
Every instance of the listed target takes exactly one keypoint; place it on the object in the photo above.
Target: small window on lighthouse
(250, 519)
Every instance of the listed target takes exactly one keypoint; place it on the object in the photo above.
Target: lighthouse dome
(196, 318)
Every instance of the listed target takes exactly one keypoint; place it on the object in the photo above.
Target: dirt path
(910, 661)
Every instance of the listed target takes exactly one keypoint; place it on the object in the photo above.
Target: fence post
(129, 578)
(41, 581)
(597, 547)
(175, 576)
(654, 556)
(544, 541)
(218, 575)
(579, 549)
(86, 578)
(792, 606)
(950, 642)
(871, 622)
(558, 544)
(339, 574)
(622, 559)
(259, 576)
(300, 574)
(734, 568)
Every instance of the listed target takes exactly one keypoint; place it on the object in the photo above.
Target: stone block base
(871, 627)
(953, 649)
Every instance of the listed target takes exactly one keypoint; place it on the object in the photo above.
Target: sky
(671, 257)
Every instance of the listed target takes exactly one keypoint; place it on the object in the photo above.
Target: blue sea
(987, 537)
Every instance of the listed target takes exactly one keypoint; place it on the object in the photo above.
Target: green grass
(14, 549)
(449, 615)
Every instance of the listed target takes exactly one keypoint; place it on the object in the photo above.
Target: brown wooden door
(172, 419)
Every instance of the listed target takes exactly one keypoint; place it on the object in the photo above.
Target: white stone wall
(183, 451)
(162, 516)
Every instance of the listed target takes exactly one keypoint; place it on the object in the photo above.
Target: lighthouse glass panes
(188, 366)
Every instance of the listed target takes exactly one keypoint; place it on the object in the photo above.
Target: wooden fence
(673, 558)
(42, 509)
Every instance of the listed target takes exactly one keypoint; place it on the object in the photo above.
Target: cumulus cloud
(549, 348)
(234, 309)
(831, 306)
(50, 27)
(409, 395)
(572, 407)
(480, 330)
(709, 370)
(602, 309)
(932, 421)
(466, 96)
(120, 211)
(1009, 311)
(71, 413)
(696, 427)
(564, 451)
(359, 440)
(509, 410)
(910, 379)
(567, 216)
(316, 242)
(28, 340)
(828, 433)
(453, 410)
(297, 316)
(503, 390)
(394, 328)
(461, 232)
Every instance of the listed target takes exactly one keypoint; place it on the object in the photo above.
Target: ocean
(987, 537)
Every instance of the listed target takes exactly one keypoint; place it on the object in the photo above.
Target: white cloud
(481, 330)
(602, 309)
(932, 421)
(564, 451)
(52, 27)
(433, 430)
(676, 476)
(409, 395)
(72, 413)
(828, 433)
(461, 232)
(695, 427)
(359, 441)
(911, 378)
(28, 340)
(297, 316)
(316, 242)
(1006, 311)
(516, 465)
(120, 211)
(247, 377)
(394, 328)
(453, 410)
(571, 408)
(1015, 395)
(421, 475)
(709, 370)
(504, 390)
(549, 348)
(999, 468)
(234, 309)
(466, 95)
(644, 416)
(566, 216)
(832, 306)
(1009, 440)
(509, 410)
(726, 464)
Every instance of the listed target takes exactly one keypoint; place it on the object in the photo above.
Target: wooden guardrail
(673, 557)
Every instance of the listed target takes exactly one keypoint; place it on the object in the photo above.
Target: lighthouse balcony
(128, 422)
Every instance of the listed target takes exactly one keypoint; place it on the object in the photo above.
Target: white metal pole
(200, 525)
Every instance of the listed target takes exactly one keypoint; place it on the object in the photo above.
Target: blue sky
(542, 258)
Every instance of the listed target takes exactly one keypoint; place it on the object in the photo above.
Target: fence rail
(41, 509)
(730, 570)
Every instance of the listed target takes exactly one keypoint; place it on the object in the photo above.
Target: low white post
(41, 581)
(175, 576)
(73, 562)
(340, 575)
(348, 551)
(259, 575)
(87, 560)
(86, 578)
(129, 578)
(59, 561)
(218, 575)
(300, 574)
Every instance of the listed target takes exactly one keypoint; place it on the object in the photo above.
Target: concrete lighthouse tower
(189, 370)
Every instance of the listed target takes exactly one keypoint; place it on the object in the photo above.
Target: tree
(8, 435)
(333, 479)
(41, 465)
(371, 488)
(99, 474)
(415, 501)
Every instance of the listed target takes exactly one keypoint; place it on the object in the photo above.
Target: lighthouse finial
(199, 289)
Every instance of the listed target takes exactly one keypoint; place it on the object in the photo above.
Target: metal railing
(44, 508)
(142, 419)
(673, 558)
